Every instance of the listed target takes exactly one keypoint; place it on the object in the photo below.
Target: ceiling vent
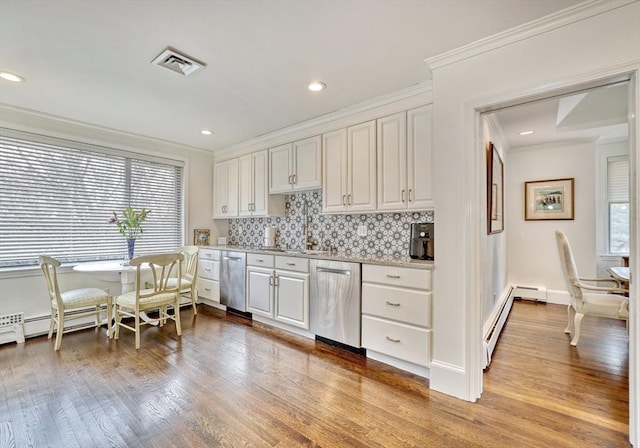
(178, 62)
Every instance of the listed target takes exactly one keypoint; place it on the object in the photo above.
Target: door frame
(475, 167)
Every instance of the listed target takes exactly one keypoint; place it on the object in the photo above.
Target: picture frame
(495, 190)
(201, 237)
(549, 200)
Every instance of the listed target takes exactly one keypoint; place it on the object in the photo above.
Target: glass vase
(131, 246)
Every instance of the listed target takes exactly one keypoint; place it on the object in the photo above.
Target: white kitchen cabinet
(292, 298)
(278, 288)
(296, 166)
(225, 189)
(396, 315)
(208, 281)
(260, 291)
(253, 193)
(404, 160)
(349, 169)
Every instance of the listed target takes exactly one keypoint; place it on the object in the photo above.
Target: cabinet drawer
(403, 305)
(209, 254)
(260, 260)
(397, 276)
(208, 289)
(401, 341)
(209, 270)
(292, 264)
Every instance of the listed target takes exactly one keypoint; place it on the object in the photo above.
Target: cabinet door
(220, 189)
(232, 188)
(260, 291)
(292, 299)
(307, 162)
(280, 168)
(245, 185)
(260, 183)
(419, 165)
(361, 186)
(334, 171)
(392, 162)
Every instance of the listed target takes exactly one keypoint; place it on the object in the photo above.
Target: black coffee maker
(421, 244)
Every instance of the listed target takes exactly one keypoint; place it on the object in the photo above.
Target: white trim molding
(451, 378)
(543, 25)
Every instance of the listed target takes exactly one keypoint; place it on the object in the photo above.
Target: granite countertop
(387, 260)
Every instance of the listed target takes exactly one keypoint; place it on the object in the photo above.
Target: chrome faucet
(307, 242)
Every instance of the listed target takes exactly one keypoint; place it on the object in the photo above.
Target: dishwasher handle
(232, 258)
(334, 271)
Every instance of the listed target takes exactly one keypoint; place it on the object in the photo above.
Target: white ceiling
(89, 61)
(595, 114)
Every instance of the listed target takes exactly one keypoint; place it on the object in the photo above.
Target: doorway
(565, 115)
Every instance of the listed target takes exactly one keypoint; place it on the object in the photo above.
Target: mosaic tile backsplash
(387, 233)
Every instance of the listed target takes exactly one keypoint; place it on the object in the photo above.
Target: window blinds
(56, 199)
(618, 179)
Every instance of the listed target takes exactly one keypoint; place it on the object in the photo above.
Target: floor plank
(228, 382)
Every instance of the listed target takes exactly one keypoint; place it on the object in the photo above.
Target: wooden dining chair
(162, 292)
(73, 304)
(188, 286)
(587, 298)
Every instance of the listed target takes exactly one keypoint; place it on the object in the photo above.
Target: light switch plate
(222, 241)
(362, 230)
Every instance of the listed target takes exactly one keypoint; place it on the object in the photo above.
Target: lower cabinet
(208, 281)
(278, 288)
(396, 313)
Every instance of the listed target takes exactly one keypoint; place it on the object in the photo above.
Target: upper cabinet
(225, 189)
(253, 187)
(404, 160)
(296, 166)
(349, 172)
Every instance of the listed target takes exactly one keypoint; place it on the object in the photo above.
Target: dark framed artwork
(549, 199)
(495, 190)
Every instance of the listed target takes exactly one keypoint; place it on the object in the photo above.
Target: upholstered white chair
(163, 268)
(83, 302)
(588, 298)
(188, 286)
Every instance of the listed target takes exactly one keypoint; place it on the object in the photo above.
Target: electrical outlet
(240, 230)
(362, 230)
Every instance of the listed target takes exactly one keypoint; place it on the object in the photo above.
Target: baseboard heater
(493, 332)
(536, 293)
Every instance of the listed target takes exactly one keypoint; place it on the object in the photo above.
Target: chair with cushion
(83, 302)
(585, 298)
(189, 274)
(164, 292)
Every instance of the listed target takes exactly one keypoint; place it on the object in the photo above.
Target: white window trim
(604, 151)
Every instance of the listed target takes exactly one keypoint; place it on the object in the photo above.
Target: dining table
(116, 271)
(622, 275)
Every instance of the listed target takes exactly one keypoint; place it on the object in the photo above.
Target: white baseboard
(448, 379)
(557, 297)
(399, 363)
(280, 325)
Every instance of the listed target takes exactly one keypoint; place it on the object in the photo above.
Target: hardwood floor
(230, 383)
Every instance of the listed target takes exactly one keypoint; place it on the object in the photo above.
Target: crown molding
(562, 18)
(419, 94)
(29, 120)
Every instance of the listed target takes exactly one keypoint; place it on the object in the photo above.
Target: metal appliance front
(335, 301)
(232, 280)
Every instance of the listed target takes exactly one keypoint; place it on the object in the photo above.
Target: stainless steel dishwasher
(232, 280)
(335, 302)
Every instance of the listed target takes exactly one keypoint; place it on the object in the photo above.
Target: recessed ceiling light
(316, 86)
(526, 132)
(206, 132)
(11, 77)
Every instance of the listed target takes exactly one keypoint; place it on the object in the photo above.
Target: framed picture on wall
(548, 199)
(495, 191)
(201, 237)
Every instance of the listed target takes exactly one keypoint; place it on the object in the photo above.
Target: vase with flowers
(130, 226)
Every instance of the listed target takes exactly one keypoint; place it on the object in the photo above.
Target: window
(618, 204)
(56, 198)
